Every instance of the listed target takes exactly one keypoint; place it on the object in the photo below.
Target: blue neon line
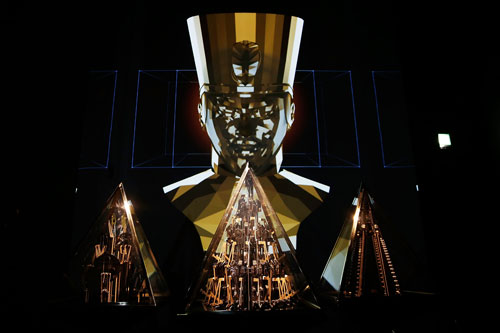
(159, 157)
(147, 161)
(355, 121)
(176, 167)
(298, 70)
(186, 155)
(169, 70)
(135, 117)
(325, 136)
(182, 71)
(306, 155)
(175, 117)
(111, 121)
(102, 166)
(343, 72)
(323, 70)
(99, 166)
(398, 166)
(317, 125)
(378, 119)
(339, 75)
(182, 159)
(153, 76)
(343, 160)
(392, 163)
(333, 155)
(284, 166)
(166, 120)
(302, 79)
(322, 167)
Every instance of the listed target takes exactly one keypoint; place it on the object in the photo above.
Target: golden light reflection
(356, 216)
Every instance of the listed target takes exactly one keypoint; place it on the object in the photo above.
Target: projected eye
(252, 69)
(237, 69)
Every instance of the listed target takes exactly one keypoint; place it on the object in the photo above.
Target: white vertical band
(296, 25)
(196, 36)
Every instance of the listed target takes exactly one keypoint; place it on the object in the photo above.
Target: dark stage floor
(408, 313)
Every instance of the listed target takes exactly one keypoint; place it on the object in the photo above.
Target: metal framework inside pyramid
(114, 263)
(250, 264)
(360, 264)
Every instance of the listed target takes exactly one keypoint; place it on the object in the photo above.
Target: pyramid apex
(349, 257)
(114, 263)
(250, 264)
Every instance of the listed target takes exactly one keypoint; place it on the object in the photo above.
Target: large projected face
(245, 64)
(247, 129)
(245, 125)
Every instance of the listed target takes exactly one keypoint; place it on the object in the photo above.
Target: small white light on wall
(444, 140)
(417, 187)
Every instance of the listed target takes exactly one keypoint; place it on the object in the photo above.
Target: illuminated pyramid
(114, 264)
(250, 264)
(359, 264)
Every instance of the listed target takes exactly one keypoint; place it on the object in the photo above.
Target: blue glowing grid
(392, 121)
(167, 85)
(98, 120)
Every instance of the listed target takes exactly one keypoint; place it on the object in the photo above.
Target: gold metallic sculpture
(250, 263)
(360, 264)
(114, 264)
(245, 64)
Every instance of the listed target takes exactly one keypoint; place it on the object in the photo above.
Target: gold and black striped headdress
(245, 52)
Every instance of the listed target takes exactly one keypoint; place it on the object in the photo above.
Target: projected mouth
(246, 147)
(244, 129)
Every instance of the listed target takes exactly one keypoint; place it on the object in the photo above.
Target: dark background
(450, 71)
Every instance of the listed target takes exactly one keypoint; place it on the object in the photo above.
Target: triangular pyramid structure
(114, 264)
(250, 264)
(203, 199)
(359, 264)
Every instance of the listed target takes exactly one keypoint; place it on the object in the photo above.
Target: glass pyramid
(359, 264)
(250, 264)
(114, 264)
